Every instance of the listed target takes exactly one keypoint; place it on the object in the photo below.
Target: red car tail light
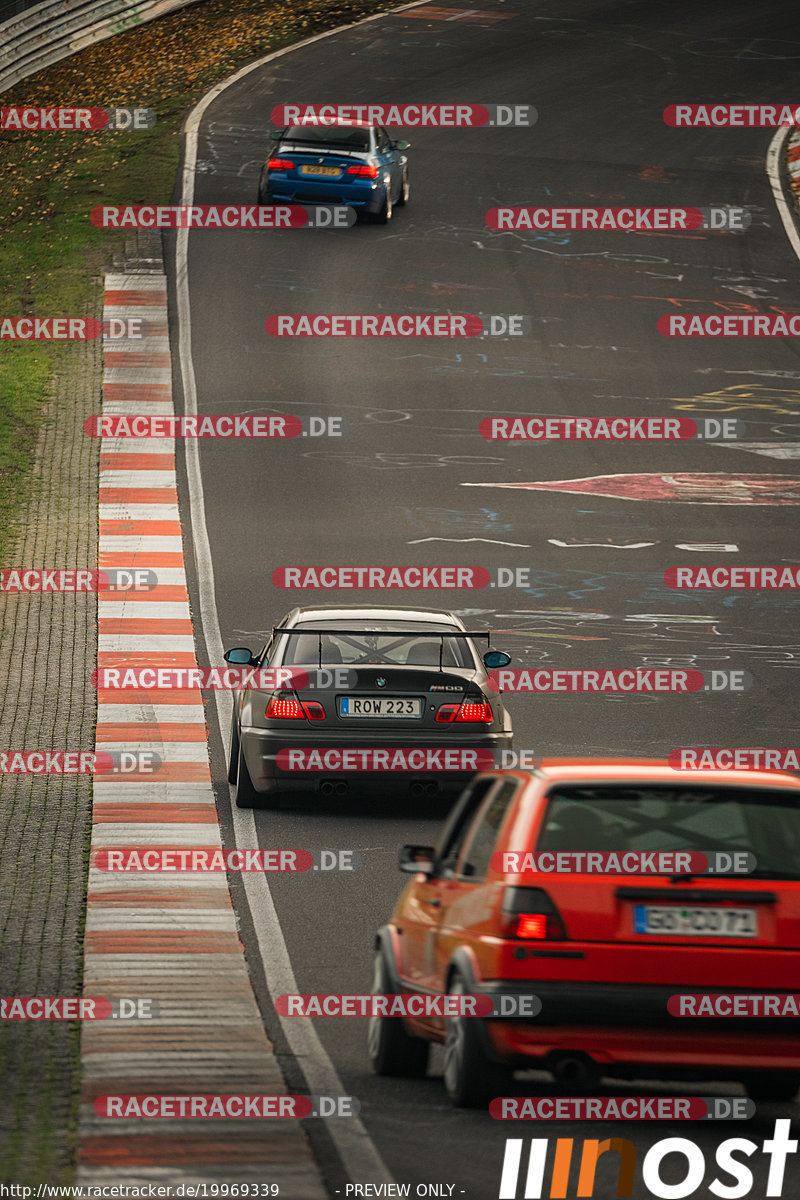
(286, 708)
(530, 914)
(280, 164)
(363, 172)
(447, 712)
(468, 711)
(531, 926)
(475, 712)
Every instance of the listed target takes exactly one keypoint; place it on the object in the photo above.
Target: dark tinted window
(483, 838)
(341, 137)
(460, 823)
(618, 817)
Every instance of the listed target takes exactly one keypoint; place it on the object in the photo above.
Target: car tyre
(384, 215)
(470, 1079)
(392, 1049)
(233, 757)
(244, 794)
(772, 1086)
(405, 190)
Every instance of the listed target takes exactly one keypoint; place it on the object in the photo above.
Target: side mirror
(416, 860)
(494, 659)
(277, 134)
(402, 145)
(241, 656)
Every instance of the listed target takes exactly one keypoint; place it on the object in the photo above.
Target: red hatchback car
(603, 952)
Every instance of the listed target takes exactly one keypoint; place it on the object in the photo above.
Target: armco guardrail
(57, 28)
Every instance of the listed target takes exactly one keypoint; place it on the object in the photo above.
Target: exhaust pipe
(421, 787)
(334, 787)
(575, 1070)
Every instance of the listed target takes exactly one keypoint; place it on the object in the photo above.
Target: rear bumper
(664, 1054)
(307, 191)
(262, 746)
(627, 1027)
(616, 1004)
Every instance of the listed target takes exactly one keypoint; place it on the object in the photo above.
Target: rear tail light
(287, 708)
(468, 711)
(530, 915)
(363, 172)
(475, 712)
(280, 164)
(532, 926)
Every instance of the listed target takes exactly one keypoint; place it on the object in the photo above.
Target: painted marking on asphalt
(435, 12)
(774, 172)
(684, 487)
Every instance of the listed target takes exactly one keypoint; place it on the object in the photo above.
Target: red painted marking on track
(146, 658)
(136, 358)
(160, 814)
(140, 558)
(150, 696)
(127, 297)
(144, 625)
(143, 1150)
(151, 731)
(139, 528)
(178, 897)
(158, 731)
(138, 495)
(125, 461)
(156, 941)
(163, 594)
(136, 392)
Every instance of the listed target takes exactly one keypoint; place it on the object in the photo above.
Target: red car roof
(649, 770)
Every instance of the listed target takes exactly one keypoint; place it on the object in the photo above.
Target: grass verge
(51, 260)
(50, 254)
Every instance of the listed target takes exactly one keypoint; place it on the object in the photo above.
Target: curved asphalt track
(600, 75)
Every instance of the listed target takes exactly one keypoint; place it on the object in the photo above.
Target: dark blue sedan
(356, 164)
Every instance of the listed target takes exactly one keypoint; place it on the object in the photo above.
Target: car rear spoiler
(401, 633)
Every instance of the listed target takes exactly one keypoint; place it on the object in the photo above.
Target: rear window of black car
(376, 648)
(619, 817)
(331, 137)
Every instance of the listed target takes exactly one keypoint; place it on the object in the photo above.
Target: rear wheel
(405, 190)
(233, 757)
(262, 187)
(384, 215)
(244, 794)
(392, 1049)
(470, 1078)
(772, 1085)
